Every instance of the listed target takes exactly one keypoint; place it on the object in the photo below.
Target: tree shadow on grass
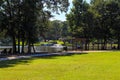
(56, 56)
(12, 63)
(27, 61)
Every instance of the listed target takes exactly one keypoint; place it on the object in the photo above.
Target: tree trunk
(29, 44)
(22, 49)
(72, 44)
(105, 44)
(86, 45)
(111, 46)
(14, 44)
(119, 43)
(23, 41)
(33, 48)
(29, 47)
(93, 46)
(43, 37)
(98, 45)
(18, 41)
(101, 44)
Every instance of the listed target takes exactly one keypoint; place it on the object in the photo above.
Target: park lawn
(91, 66)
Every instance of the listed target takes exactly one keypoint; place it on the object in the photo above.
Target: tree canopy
(23, 19)
(97, 20)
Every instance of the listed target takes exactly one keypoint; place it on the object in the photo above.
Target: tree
(79, 20)
(58, 29)
(21, 25)
(101, 29)
(107, 14)
(113, 8)
(65, 29)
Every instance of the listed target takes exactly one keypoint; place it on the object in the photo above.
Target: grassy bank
(90, 66)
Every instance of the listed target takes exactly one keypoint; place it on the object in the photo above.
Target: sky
(61, 16)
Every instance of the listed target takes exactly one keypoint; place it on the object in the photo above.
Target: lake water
(37, 48)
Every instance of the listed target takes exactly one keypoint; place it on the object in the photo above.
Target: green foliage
(57, 29)
(98, 20)
(107, 19)
(26, 20)
(21, 43)
(60, 42)
(50, 42)
(79, 19)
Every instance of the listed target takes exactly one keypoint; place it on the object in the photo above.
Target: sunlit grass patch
(91, 66)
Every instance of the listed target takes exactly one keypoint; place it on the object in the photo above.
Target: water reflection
(53, 48)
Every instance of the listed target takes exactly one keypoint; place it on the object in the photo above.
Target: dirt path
(90, 51)
(48, 54)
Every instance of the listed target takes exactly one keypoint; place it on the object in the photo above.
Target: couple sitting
(5, 51)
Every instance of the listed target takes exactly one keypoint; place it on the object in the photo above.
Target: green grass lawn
(91, 66)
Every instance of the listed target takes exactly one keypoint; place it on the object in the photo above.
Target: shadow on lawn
(12, 63)
(26, 61)
(61, 55)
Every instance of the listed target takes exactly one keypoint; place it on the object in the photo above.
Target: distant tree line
(57, 29)
(98, 21)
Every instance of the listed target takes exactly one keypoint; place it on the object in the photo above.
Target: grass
(49, 42)
(91, 66)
